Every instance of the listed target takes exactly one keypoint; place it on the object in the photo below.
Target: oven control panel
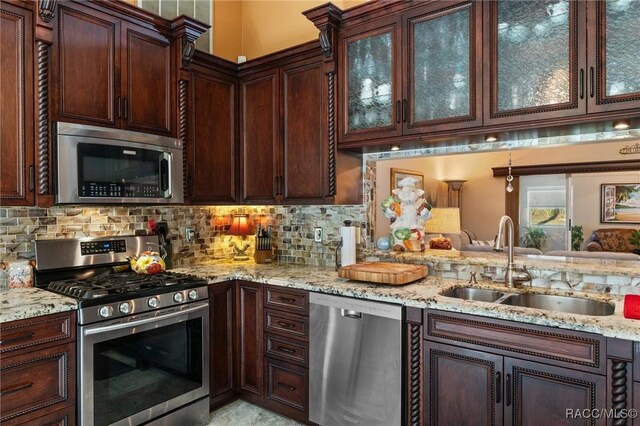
(88, 248)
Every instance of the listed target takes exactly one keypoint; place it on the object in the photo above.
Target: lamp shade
(444, 221)
(239, 226)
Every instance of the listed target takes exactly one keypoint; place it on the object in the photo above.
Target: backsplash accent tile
(292, 228)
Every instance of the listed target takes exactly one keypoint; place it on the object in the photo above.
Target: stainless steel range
(142, 339)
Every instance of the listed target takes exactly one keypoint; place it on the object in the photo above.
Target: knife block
(263, 256)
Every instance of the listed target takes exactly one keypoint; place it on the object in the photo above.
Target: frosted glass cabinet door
(444, 66)
(614, 59)
(370, 81)
(536, 52)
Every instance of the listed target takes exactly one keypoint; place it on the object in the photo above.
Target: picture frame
(620, 203)
(398, 174)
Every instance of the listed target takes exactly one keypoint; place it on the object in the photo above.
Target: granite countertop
(424, 294)
(553, 263)
(18, 304)
(22, 303)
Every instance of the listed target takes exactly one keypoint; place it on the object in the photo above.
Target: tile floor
(241, 413)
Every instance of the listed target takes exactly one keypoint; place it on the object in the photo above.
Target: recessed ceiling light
(395, 148)
(491, 138)
(621, 124)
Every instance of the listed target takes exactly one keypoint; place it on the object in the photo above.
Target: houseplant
(577, 236)
(634, 240)
(535, 237)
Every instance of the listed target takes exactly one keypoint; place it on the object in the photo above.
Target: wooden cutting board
(384, 272)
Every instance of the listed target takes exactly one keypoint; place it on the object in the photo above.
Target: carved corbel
(188, 49)
(327, 19)
(47, 10)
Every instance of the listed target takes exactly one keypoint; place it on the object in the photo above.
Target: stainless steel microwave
(98, 165)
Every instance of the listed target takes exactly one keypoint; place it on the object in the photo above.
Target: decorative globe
(383, 243)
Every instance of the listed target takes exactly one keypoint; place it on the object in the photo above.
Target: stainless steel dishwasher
(355, 362)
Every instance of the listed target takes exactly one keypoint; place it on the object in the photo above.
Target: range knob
(153, 302)
(105, 311)
(193, 295)
(125, 307)
(178, 298)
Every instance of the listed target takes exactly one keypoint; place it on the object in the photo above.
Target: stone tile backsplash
(292, 228)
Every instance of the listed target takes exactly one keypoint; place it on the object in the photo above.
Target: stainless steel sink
(549, 302)
(573, 305)
(470, 293)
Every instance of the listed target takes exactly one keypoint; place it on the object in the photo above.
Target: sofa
(610, 240)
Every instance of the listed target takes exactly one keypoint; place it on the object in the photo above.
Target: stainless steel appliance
(143, 340)
(355, 362)
(101, 165)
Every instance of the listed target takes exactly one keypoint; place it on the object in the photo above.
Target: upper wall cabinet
(614, 65)
(417, 73)
(536, 54)
(112, 73)
(370, 81)
(16, 106)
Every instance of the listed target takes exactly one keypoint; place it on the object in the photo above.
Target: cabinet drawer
(288, 325)
(287, 349)
(64, 417)
(287, 389)
(287, 300)
(47, 329)
(36, 380)
(563, 347)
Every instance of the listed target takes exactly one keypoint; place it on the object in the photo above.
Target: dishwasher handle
(351, 314)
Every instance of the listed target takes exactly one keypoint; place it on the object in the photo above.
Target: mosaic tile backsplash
(292, 229)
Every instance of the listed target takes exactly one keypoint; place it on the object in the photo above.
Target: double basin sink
(549, 302)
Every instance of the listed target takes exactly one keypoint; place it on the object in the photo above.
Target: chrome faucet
(512, 275)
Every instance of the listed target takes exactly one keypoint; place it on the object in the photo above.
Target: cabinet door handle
(508, 386)
(17, 389)
(19, 338)
(285, 324)
(398, 111)
(32, 179)
(498, 387)
(404, 111)
(286, 299)
(126, 108)
(119, 107)
(287, 350)
(581, 83)
(592, 82)
(286, 386)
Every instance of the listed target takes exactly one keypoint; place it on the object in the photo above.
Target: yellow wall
(227, 29)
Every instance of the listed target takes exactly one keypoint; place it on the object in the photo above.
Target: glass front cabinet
(614, 55)
(419, 73)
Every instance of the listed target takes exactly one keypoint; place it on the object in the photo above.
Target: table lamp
(240, 227)
(443, 221)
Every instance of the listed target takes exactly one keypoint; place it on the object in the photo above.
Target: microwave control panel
(119, 190)
(88, 248)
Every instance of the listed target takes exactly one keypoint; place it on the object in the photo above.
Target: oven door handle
(137, 323)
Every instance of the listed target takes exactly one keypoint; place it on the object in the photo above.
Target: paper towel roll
(348, 249)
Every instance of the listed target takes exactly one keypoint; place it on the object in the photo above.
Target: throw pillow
(612, 241)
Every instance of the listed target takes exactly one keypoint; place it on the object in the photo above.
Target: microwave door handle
(165, 174)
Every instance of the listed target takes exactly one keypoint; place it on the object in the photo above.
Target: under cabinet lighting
(395, 148)
(491, 138)
(621, 124)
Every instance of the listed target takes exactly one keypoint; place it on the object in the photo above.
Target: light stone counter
(423, 294)
(22, 303)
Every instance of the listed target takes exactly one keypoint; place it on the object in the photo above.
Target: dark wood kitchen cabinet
(284, 152)
(16, 100)
(249, 331)
(221, 344)
(38, 363)
(412, 73)
(212, 148)
(508, 373)
(112, 73)
(260, 137)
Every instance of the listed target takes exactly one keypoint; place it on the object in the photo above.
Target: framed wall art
(620, 203)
